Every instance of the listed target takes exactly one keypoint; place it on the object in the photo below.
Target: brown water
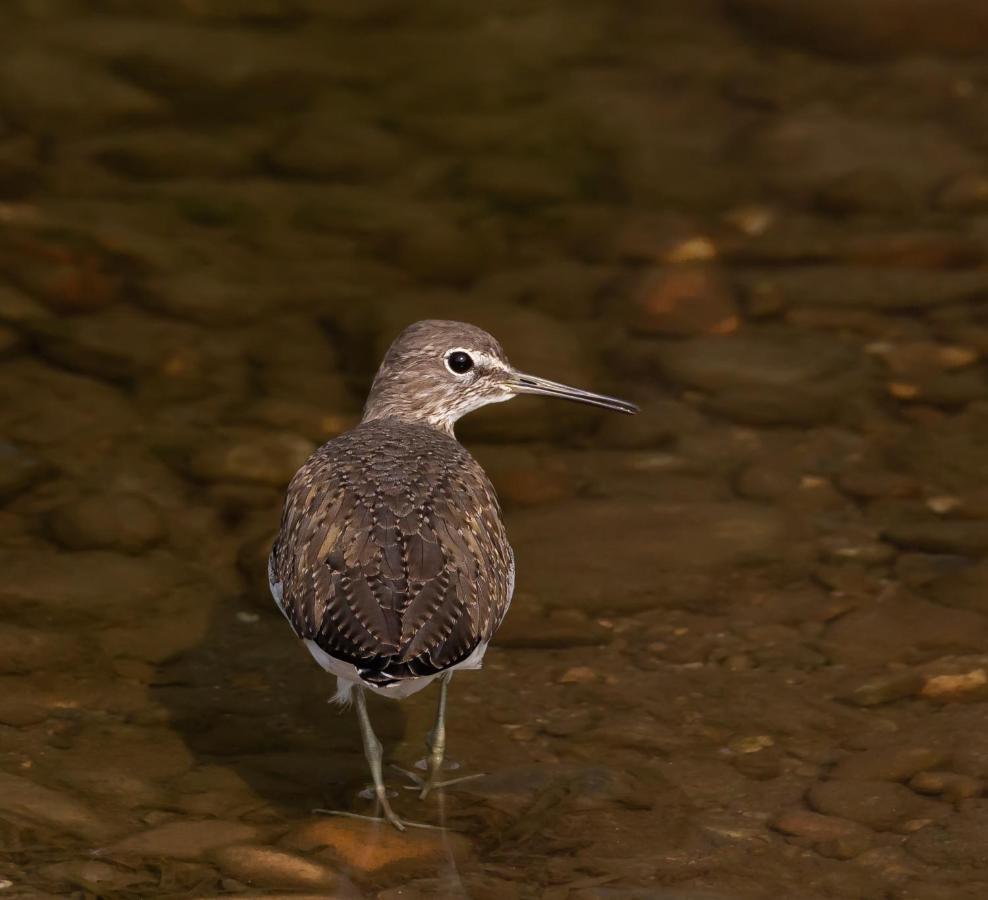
(747, 655)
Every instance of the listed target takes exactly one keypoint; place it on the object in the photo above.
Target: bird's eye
(459, 362)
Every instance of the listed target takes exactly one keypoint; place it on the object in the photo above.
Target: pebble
(21, 797)
(886, 764)
(954, 687)
(25, 650)
(966, 193)
(93, 872)
(814, 826)
(792, 379)
(117, 521)
(272, 868)
(526, 628)
(369, 848)
(880, 805)
(890, 631)
(264, 458)
(956, 844)
(952, 786)
(885, 688)
(578, 675)
(18, 308)
(19, 471)
(188, 839)
(683, 301)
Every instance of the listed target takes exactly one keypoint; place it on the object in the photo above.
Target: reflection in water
(746, 654)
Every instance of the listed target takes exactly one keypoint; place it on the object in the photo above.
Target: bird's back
(392, 555)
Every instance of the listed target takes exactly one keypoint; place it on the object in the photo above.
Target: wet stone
(683, 301)
(950, 785)
(19, 470)
(119, 521)
(269, 867)
(901, 629)
(188, 839)
(956, 843)
(877, 29)
(965, 538)
(886, 764)
(880, 805)
(896, 685)
(367, 848)
(263, 458)
(94, 872)
(970, 685)
(760, 379)
(814, 826)
(21, 797)
(24, 650)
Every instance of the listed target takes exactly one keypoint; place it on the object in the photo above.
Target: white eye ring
(459, 362)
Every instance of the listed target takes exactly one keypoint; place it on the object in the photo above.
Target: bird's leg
(372, 750)
(435, 742)
(436, 739)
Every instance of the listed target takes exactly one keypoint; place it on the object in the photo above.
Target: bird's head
(437, 371)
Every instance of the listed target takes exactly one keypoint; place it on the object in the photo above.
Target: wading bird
(392, 563)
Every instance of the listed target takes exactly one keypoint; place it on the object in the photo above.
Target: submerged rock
(368, 848)
(269, 867)
(185, 839)
(126, 522)
(23, 798)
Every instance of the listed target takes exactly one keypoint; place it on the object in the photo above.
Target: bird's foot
(425, 785)
(388, 818)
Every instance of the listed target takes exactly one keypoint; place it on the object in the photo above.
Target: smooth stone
(814, 826)
(688, 539)
(55, 92)
(75, 583)
(885, 688)
(269, 867)
(955, 844)
(21, 797)
(879, 289)
(901, 630)
(886, 764)
(880, 805)
(118, 521)
(185, 839)
(118, 344)
(764, 379)
(952, 786)
(19, 471)
(26, 650)
(19, 308)
(254, 457)
(94, 872)
(962, 537)
(877, 29)
(960, 686)
(683, 301)
(369, 848)
(527, 628)
(163, 153)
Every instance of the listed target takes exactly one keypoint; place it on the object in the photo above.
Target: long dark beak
(531, 384)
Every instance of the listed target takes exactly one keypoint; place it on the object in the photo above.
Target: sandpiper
(392, 563)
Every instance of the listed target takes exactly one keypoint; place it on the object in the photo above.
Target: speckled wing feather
(392, 555)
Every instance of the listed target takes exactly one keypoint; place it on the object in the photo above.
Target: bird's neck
(408, 410)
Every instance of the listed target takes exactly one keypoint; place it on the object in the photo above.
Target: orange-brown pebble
(374, 846)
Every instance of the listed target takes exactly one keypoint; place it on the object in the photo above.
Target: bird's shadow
(249, 698)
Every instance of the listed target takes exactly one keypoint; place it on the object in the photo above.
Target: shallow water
(746, 657)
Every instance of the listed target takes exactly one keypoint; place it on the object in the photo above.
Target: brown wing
(392, 555)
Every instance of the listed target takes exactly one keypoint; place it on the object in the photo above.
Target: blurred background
(746, 657)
